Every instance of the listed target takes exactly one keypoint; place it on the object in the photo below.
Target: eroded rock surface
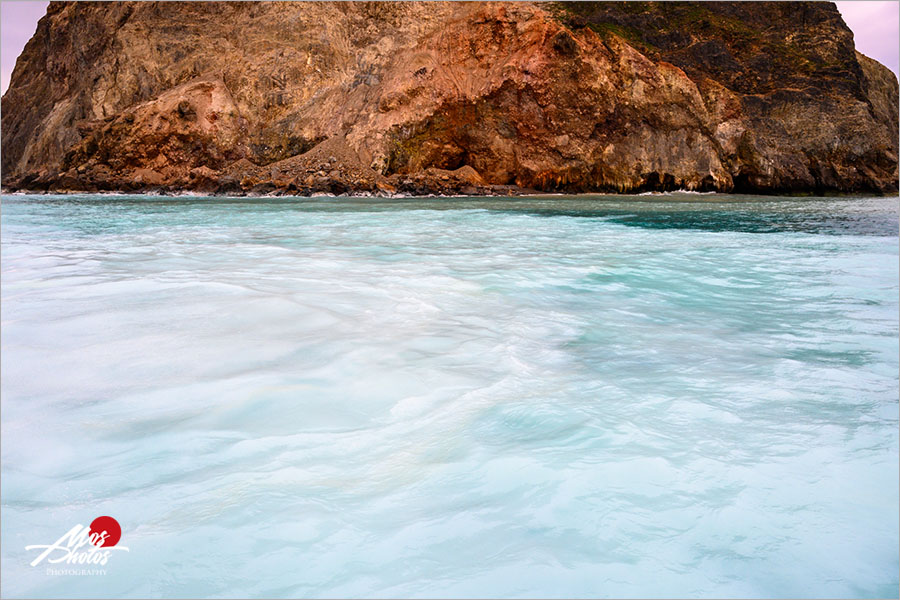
(443, 98)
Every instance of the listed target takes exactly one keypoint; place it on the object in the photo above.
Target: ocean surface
(670, 395)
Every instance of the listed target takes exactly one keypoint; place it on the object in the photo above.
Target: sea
(670, 395)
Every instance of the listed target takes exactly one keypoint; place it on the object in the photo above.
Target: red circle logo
(109, 527)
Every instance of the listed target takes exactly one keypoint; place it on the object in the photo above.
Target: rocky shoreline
(392, 187)
(318, 173)
(462, 182)
(495, 191)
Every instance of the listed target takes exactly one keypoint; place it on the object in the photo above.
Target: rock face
(480, 97)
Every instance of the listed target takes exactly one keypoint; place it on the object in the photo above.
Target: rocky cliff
(480, 97)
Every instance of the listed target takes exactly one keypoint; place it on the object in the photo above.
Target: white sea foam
(678, 193)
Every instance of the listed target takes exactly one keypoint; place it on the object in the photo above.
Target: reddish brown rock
(440, 98)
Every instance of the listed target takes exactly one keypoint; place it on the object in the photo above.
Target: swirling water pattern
(551, 397)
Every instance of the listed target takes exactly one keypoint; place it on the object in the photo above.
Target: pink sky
(876, 29)
(875, 25)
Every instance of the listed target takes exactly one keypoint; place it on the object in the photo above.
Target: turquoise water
(555, 397)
